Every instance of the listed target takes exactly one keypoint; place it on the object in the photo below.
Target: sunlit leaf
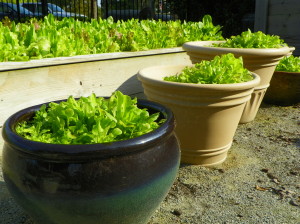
(222, 69)
(89, 120)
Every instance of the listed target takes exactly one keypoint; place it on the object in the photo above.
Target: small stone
(176, 212)
(250, 197)
(292, 202)
(271, 176)
(221, 170)
(295, 171)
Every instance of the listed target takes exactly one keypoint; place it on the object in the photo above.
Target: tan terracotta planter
(207, 115)
(259, 61)
(284, 89)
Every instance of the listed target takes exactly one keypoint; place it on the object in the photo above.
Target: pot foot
(252, 106)
(207, 158)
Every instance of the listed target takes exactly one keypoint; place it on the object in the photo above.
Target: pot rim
(63, 151)
(287, 73)
(146, 75)
(197, 46)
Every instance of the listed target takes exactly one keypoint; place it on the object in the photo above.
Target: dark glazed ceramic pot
(120, 182)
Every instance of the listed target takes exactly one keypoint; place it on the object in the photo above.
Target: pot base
(133, 206)
(252, 106)
(205, 158)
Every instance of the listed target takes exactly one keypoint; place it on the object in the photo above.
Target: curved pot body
(207, 115)
(117, 183)
(284, 89)
(260, 61)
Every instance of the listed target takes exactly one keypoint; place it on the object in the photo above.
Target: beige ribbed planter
(284, 89)
(207, 115)
(259, 61)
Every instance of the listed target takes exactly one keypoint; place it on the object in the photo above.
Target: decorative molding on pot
(208, 157)
(252, 106)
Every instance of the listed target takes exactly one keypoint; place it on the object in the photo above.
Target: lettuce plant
(89, 120)
(248, 39)
(289, 64)
(50, 38)
(222, 69)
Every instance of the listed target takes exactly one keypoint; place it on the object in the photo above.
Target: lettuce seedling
(222, 69)
(50, 38)
(248, 39)
(289, 64)
(89, 120)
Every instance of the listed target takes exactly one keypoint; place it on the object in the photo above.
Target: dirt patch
(258, 183)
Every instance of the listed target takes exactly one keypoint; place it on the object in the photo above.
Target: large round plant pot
(207, 115)
(284, 89)
(116, 183)
(260, 61)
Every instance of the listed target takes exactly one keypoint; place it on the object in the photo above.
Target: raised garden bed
(25, 84)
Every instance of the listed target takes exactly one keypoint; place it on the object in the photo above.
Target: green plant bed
(222, 69)
(256, 40)
(289, 64)
(284, 87)
(89, 120)
(50, 38)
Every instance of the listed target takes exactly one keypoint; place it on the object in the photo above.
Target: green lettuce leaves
(222, 69)
(89, 120)
(248, 39)
(49, 38)
(289, 64)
